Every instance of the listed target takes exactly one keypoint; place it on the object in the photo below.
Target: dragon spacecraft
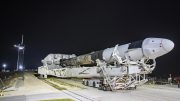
(120, 67)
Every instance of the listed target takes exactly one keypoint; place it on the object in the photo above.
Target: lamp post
(20, 48)
(20, 66)
(4, 67)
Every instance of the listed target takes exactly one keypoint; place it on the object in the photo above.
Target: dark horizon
(80, 27)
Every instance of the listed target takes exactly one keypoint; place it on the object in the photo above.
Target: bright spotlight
(21, 47)
(20, 67)
(4, 65)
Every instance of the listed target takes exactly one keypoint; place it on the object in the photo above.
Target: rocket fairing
(149, 48)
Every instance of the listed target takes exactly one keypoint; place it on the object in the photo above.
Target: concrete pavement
(35, 89)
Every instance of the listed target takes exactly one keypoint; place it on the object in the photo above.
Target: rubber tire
(104, 88)
(94, 84)
(87, 83)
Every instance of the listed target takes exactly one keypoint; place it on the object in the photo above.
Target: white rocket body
(150, 48)
(134, 59)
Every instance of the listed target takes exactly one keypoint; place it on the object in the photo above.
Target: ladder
(107, 78)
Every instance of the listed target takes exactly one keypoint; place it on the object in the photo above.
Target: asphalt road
(35, 90)
(45, 96)
(14, 98)
(19, 83)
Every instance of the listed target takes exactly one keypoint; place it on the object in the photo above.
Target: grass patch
(64, 83)
(8, 78)
(58, 100)
(54, 85)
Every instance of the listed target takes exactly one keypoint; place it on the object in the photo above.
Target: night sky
(81, 27)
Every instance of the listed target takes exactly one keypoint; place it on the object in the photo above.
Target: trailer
(120, 67)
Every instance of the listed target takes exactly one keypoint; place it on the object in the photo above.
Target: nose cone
(168, 45)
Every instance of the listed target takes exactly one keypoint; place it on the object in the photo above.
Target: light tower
(20, 47)
(4, 67)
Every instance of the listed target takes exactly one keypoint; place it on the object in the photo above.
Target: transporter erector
(120, 67)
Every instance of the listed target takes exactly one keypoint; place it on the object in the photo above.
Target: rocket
(149, 48)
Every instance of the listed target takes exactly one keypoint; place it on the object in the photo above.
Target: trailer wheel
(104, 88)
(108, 88)
(94, 84)
(135, 87)
(83, 82)
(100, 87)
(87, 83)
